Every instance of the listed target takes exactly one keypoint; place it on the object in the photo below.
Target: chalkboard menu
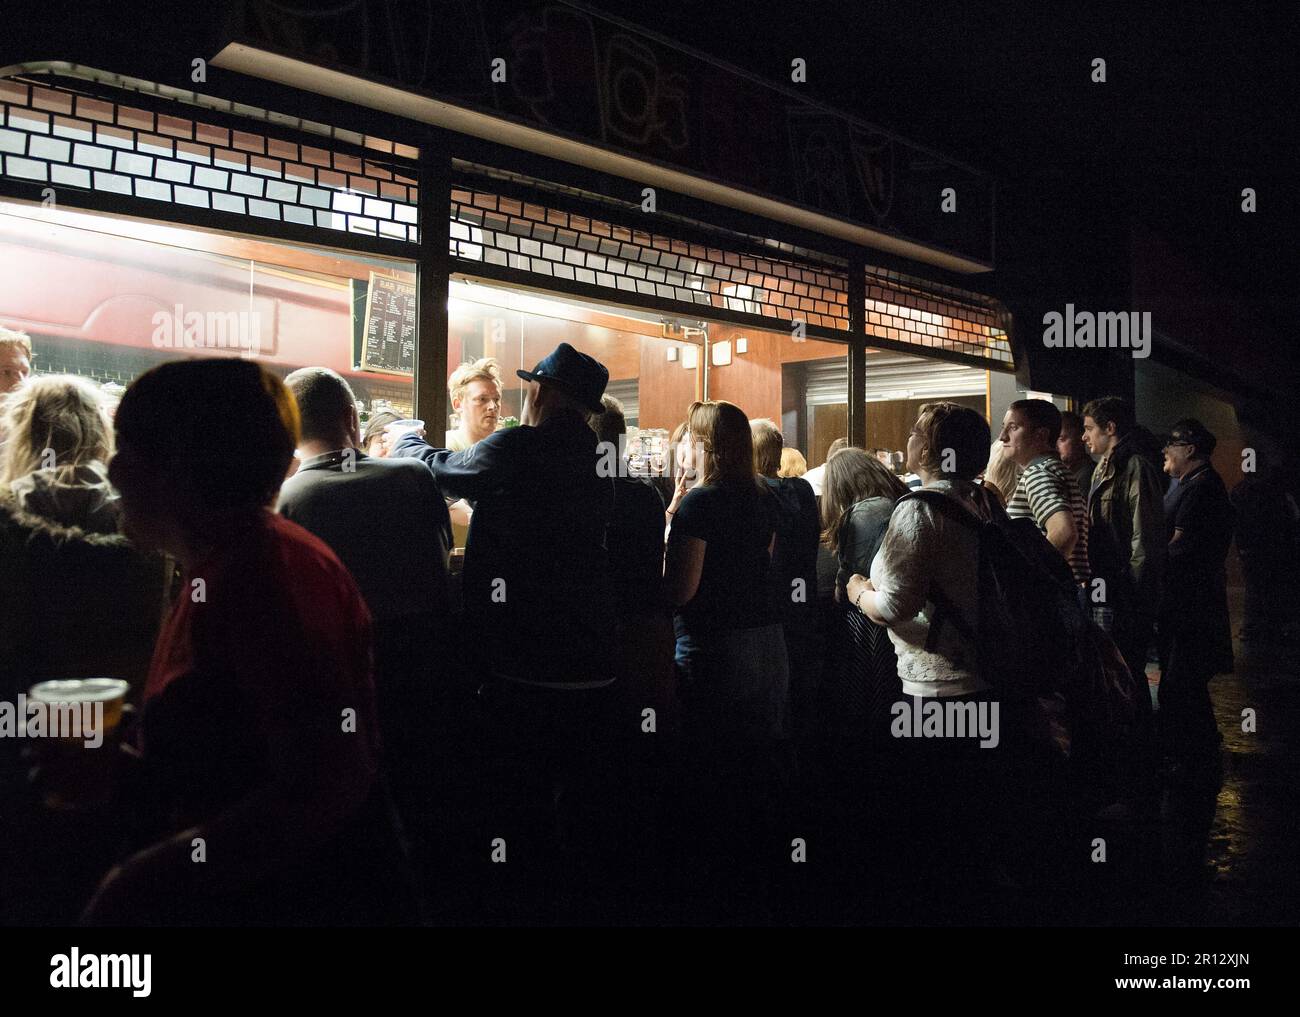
(388, 338)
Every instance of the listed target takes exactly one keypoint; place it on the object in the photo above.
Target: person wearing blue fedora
(536, 594)
(539, 621)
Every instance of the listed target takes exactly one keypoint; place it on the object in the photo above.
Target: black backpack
(1067, 687)
(1030, 633)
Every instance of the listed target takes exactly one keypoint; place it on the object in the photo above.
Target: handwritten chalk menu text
(388, 342)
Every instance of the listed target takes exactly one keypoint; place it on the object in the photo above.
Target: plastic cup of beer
(79, 753)
(400, 427)
(111, 692)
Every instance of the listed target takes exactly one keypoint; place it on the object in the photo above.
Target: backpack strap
(945, 609)
(947, 505)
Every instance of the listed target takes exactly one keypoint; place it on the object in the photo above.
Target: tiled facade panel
(933, 316)
(532, 238)
(63, 139)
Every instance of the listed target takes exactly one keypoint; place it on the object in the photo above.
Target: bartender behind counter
(475, 390)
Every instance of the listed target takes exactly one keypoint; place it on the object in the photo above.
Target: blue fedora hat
(575, 373)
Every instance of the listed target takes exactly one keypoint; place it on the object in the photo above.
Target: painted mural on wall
(573, 71)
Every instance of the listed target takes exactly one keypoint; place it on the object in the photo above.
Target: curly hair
(1112, 410)
(484, 369)
(58, 416)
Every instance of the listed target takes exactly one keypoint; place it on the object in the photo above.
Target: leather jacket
(1126, 541)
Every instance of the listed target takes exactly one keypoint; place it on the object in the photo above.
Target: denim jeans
(734, 682)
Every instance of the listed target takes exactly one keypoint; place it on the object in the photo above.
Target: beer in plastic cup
(76, 773)
(400, 427)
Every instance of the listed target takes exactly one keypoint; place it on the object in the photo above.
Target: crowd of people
(639, 701)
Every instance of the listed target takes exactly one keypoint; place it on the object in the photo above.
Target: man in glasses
(1195, 636)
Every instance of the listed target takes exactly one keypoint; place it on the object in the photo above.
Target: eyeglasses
(1176, 444)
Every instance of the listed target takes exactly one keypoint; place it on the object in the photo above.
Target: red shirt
(266, 648)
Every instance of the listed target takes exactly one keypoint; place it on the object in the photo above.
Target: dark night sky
(1197, 105)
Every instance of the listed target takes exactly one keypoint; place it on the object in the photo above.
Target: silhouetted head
(327, 409)
(197, 442)
(768, 446)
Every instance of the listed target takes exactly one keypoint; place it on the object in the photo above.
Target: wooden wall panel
(752, 380)
(666, 388)
(811, 349)
(890, 422)
(619, 353)
(828, 423)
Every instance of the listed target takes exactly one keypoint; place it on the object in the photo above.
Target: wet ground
(1232, 847)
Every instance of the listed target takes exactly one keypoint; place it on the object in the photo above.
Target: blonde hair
(722, 430)
(484, 369)
(793, 464)
(768, 445)
(8, 337)
(1002, 472)
(58, 415)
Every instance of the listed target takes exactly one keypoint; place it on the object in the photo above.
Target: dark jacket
(1195, 605)
(74, 603)
(863, 685)
(794, 558)
(636, 546)
(77, 599)
(386, 521)
(1268, 527)
(1082, 473)
(860, 538)
(536, 581)
(1126, 535)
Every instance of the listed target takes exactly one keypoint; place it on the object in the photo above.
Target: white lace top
(923, 550)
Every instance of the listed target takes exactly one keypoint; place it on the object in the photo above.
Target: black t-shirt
(794, 558)
(635, 541)
(736, 525)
